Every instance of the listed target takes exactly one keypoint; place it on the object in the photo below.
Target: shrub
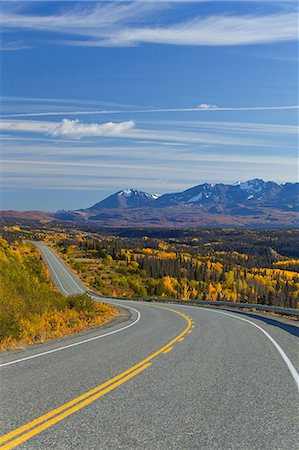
(31, 310)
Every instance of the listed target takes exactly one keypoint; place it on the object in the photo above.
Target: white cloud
(179, 133)
(68, 128)
(205, 106)
(129, 24)
(76, 129)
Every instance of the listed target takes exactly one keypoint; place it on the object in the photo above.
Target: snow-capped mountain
(212, 197)
(250, 203)
(127, 198)
(225, 196)
(255, 185)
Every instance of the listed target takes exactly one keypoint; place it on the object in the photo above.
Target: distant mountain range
(254, 203)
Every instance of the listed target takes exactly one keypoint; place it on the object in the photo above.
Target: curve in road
(221, 385)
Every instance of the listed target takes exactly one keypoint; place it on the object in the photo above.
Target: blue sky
(159, 96)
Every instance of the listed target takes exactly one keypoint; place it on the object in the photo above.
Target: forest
(250, 266)
(31, 309)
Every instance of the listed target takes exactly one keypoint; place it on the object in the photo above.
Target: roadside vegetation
(31, 309)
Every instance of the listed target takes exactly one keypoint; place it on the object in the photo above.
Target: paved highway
(164, 377)
(61, 275)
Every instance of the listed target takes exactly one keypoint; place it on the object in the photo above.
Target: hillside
(31, 309)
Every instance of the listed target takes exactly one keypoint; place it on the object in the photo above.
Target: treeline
(155, 268)
(256, 266)
(262, 246)
(31, 309)
(247, 248)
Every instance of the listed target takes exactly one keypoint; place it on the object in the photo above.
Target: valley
(249, 266)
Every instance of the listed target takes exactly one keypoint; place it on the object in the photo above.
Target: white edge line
(37, 355)
(54, 273)
(75, 344)
(43, 248)
(284, 356)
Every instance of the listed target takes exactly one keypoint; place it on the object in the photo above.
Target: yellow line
(168, 350)
(68, 412)
(81, 401)
(65, 406)
(180, 340)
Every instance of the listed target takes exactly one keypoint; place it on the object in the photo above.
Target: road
(166, 377)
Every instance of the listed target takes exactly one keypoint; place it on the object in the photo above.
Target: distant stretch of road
(163, 377)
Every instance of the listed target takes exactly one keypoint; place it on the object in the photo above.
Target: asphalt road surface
(163, 377)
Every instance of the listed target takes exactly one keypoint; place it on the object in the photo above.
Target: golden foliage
(31, 310)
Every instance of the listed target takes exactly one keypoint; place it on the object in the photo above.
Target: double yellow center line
(25, 432)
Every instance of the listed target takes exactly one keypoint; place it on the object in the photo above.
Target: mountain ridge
(253, 204)
(255, 191)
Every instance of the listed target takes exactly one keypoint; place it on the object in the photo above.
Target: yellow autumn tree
(212, 292)
(169, 285)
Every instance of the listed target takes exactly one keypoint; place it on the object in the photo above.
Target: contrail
(153, 110)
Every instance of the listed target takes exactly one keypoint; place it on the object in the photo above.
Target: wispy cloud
(199, 108)
(129, 24)
(56, 101)
(75, 129)
(232, 127)
(88, 20)
(214, 30)
(17, 165)
(172, 173)
(13, 46)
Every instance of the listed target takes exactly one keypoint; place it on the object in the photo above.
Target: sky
(157, 96)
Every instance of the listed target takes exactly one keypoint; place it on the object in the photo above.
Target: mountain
(128, 198)
(224, 196)
(247, 198)
(244, 197)
(253, 203)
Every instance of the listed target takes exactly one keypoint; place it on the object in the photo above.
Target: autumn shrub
(81, 302)
(31, 310)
